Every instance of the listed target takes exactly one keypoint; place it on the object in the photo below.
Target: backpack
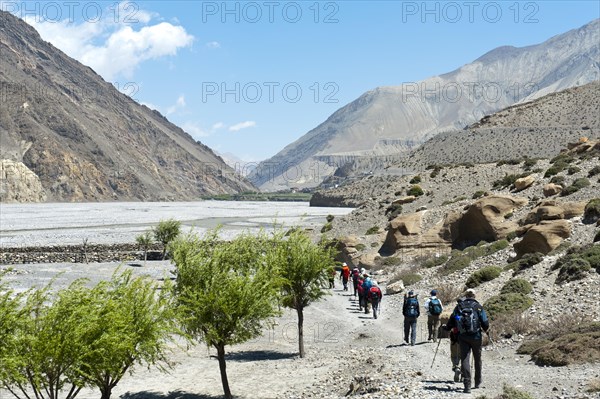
(374, 294)
(468, 319)
(355, 275)
(435, 307)
(412, 307)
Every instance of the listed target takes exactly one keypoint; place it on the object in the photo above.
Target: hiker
(361, 292)
(374, 297)
(332, 278)
(455, 353)
(367, 284)
(434, 308)
(345, 275)
(469, 318)
(355, 275)
(410, 310)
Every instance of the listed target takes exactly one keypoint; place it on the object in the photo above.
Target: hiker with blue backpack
(375, 295)
(410, 311)
(470, 318)
(433, 306)
(366, 285)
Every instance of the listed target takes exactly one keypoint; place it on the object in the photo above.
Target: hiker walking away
(355, 276)
(367, 284)
(345, 275)
(410, 310)
(433, 306)
(361, 293)
(332, 278)
(470, 319)
(374, 297)
(455, 353)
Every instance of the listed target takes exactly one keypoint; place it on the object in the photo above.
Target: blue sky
(248, 78)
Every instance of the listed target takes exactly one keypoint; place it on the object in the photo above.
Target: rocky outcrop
(553, 210)
(19, 184)
(523, 183)
(484, 220)
(551, 189)
(543, 237)
(404, 200)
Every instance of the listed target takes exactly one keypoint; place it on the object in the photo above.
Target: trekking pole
(436, 351)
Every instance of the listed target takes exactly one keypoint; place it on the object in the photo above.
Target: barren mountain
(411, 113)
(67, 135)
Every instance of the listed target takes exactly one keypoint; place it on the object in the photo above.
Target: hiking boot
(467, 390)
(456, 374)
(477, 385)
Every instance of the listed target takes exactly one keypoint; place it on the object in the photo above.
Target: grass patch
(372, 230)
(483, 275)
(580, 345)
(360, 247)
(516, 286)
(434, 261)
(409, 278)
(505, 304)
(531, 345)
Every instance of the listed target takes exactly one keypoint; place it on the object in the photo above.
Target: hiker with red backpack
(433, 306)
(410, 311)
(470, 318)
(345, 275)
(374, 297)
(361, 293)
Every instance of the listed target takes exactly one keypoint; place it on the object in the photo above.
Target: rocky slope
(84, 140)
(417, 111)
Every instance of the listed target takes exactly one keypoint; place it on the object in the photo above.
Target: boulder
(553, 210)
(551, 189)
(402, 230)
(404, 200)
(484, 220)
(524, 182)
(543, 237)
(394, 288)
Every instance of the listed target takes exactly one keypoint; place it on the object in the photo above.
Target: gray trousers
(467, 345)
(410, 326)
(433, 322)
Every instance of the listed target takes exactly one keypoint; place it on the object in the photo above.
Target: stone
(394, 288)
(523, 183)
(551, 189)
(543, 237)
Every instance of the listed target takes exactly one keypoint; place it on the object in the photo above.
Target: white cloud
(218, 125)
(213, 44)
(242, 125)
(114, 49)
(179, 104)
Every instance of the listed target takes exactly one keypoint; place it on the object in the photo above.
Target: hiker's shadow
(445, 388)
(170, 395)
(366, 317)
(251, 356)
(396, 346)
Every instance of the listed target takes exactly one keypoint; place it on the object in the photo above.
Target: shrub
(360, 247)
(483, 275)
(393, 210)
(374, 244)
(552, 171)
(573, 169)
(326, 227)
(580, 345)
(330, 218)
(594, 171)
(166, 232)
(530, 346)
(560, 180)
(415, 180)
(562, 159)
(391, 261)
(529, 163)
(592, 211)
(577, 185)
(508, 215)
(506, 181)
(455, 264)
(517, 286)
(589, 253)
(415, 190)
(449, 293)
(505, 304)
(508, 162)
(372, 230)
(526, 262)
(572, 270)
(434, 261)
(409, 278)
(511, 236)
(478, 194)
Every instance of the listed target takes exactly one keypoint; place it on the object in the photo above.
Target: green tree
(304, 268)
(166, 232)
(130, 320)
(225, 291)
(145, 240)
(11, 320)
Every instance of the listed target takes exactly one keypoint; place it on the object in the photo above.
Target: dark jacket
(476, 306)
(405, 306)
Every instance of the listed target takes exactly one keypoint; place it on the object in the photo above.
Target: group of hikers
(464, 326)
